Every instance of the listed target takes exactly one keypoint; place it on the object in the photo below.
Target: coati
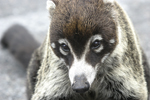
(91, 52)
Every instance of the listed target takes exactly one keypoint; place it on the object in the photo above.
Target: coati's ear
(109, 1)
(56, 2)
(51, 4)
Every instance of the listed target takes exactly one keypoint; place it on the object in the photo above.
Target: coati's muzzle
(81, 75)
(80, 84)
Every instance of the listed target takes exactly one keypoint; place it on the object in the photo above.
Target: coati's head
(84, 34)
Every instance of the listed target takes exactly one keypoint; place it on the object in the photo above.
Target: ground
(33, 15)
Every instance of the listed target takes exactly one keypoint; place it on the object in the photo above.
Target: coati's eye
(96, 44)
(65, 47)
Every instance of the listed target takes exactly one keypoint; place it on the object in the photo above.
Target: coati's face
(84, 34)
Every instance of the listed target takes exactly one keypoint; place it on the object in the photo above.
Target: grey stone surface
(33, 15)
(16, 7)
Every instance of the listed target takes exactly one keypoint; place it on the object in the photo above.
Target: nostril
(87, 84)
(80, 84)
(80, 87)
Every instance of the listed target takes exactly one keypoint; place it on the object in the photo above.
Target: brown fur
(78, 20)
(84, 17)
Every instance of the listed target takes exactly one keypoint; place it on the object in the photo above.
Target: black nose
(81, 84)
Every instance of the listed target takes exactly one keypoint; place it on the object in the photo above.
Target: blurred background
(33, 15)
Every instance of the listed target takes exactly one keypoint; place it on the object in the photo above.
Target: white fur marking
(53, 45)
(99, 49)
(63, 41)
(63, 52)
(80, 67)
(112, 41)
(96, 37)
(47, 42)
(50, 5)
